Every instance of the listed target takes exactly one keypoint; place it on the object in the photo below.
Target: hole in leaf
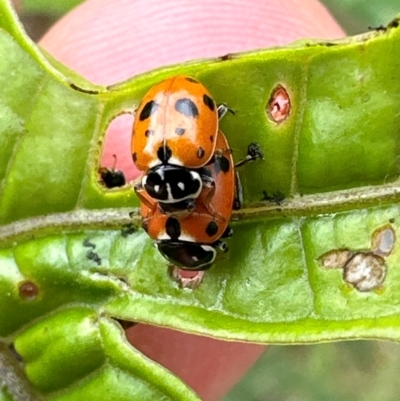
(116, 156)
(186, 278)
(278, 107)
(336, 259)
(383, 240)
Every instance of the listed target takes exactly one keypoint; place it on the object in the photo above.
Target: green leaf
(69, 266)
(357, 15)
(58, 7)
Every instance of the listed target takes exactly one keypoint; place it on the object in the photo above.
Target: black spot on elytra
(148, 132)
(187, 108)
(211, 138)
(173, 228)
(221, 163)
(200, 152)
(209, 102)
(179, 131)
(190, 79)
(164, 153)
(134, 157)
(212, 228)
(148, 109)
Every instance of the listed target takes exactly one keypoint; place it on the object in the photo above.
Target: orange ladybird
(176, 123)
(190, 239)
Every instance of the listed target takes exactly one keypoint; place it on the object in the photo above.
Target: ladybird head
(188, 255)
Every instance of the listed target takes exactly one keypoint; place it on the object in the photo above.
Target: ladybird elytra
(180, 114)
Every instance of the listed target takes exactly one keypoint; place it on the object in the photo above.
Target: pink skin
(109, 41)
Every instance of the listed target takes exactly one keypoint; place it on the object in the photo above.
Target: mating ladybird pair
(189, 185)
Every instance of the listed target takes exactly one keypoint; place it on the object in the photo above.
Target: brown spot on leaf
(278, 107)
(365, 271)
(28, 290)
(335, 259)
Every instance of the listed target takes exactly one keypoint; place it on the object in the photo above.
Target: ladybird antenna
(222, 109)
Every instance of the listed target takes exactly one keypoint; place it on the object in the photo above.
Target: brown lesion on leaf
(28, 290)
(364, 270)
(278, 106)
(336, 259)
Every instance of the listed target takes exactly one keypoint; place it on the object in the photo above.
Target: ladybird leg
(206, 178)
(220, 245)
(143, 195)
(208, 193)
(253, 153)
(223, 109)
(227, 233)
(238, 199)
(137, 184)
(206, 196)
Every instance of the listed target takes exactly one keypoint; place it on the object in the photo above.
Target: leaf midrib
(116, 218)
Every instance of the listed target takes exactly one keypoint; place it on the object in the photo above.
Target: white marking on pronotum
(211, 249)
(170, 198)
